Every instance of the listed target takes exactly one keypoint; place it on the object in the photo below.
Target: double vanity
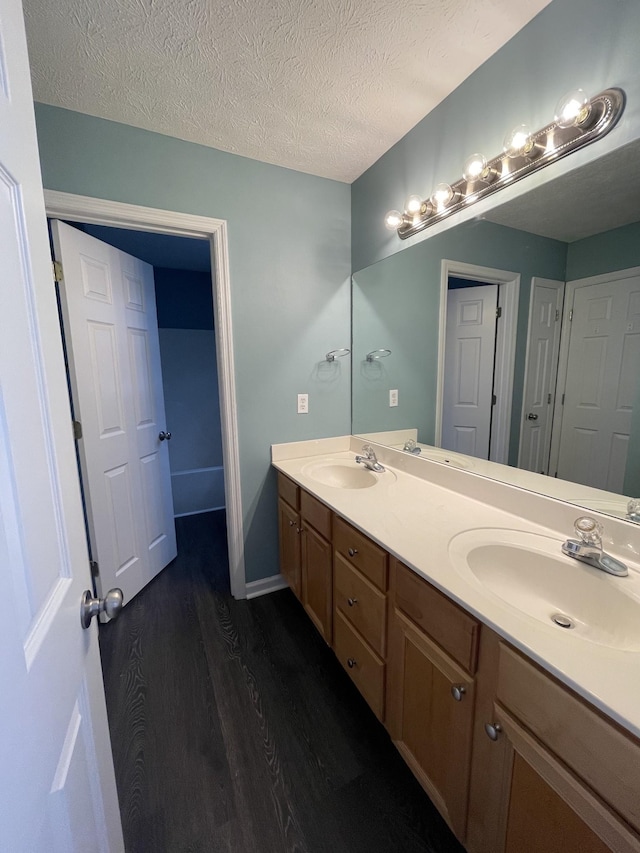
(506, 672)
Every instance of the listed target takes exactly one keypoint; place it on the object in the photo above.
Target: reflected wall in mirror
(583, 225)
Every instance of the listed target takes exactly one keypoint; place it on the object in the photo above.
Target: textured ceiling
(321, 86)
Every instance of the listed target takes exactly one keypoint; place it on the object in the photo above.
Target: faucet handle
(368, 451)
(589, 531)
(633, 510)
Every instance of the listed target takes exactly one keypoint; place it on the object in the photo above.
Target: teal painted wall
(289, 251)
(588, 43)
(618, 249)
(396, 304)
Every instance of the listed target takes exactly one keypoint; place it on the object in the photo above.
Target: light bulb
(475, 167)
(442, 196)
(413, 204)
(393, 220)
(573, 108)
(518, 142)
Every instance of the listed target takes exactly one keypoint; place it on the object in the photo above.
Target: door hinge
(548, 399)
(95, 568)
(570, 314)
(557, 314)
(77, 430)
(57, 271)
(494, 399)
(498, 312)
(562, 401)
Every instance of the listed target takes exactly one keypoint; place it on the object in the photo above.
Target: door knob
(162, 435)
(532, 416)
(111, 604)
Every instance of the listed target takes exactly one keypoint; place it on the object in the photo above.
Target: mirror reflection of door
(472, 309)
(541, 370)
(600, 390)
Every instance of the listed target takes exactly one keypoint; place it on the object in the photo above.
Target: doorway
(490, 398)
(74, 208)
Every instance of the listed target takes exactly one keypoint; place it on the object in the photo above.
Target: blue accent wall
(289, 255)
(184, 299)
(587, 43)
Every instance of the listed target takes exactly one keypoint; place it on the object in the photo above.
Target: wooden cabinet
(289, 533)
(550, 772)
(430, 693)
(360, 611)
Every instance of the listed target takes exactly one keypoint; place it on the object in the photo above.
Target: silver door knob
(458, 691)
(492, 730)
(162, 435)
(111, 604)
(532, 416)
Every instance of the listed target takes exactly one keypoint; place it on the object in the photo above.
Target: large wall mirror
(510, 345)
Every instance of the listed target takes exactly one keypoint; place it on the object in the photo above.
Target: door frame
(509, 294)
(95, 211)
(563, 360)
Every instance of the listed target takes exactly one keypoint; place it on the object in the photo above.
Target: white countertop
(415, 510)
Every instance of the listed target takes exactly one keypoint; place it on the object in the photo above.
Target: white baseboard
(265, 586)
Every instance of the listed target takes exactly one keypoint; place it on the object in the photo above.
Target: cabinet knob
(352, 601)
(458, 691)
(291, 523)
(492, 730)
(351, 662)
(353, 552)
(299, 529)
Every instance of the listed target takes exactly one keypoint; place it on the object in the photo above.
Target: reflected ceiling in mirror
(582, 225)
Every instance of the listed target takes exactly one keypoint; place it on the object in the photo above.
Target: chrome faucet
(369, 460)
(588, 548)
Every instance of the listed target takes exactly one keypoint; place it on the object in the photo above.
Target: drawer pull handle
(353, 552)
(351, 662)
(458, 691)
(352, 601)
(291, 523)
(492, 730)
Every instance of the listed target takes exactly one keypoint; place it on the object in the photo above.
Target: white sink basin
(439, 454)
(531, 574)
(342, 474)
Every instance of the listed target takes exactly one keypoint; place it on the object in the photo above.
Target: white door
(541, 370)
(468, 369)
(111, 333)
(57, 787)
(602, 378)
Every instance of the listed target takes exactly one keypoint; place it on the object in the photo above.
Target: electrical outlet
(303, 404)
(393, 397)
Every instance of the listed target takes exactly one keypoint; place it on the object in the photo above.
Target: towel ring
(337, 353)
(375, 354)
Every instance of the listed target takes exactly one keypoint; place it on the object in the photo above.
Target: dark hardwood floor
(235, 729)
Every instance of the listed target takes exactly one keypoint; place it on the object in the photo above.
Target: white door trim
(97, 211)
(509, 288)
(563, 361)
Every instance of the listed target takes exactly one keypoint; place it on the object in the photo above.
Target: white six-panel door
(57, 788)
(601, 382)
(541, 370)
(469, 362)
(111, 333)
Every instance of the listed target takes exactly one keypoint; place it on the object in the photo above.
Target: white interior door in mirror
(57, 784)
(541, 370)
(468, 373)
(111, 333)
(602, 372)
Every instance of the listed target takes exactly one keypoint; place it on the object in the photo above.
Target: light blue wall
(289, 249)
(618, 249)
(588, 43)
(396, 304)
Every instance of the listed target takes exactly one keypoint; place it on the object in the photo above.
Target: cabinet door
(430, 702)
(316, 580)
(289, 529)
(539, 804)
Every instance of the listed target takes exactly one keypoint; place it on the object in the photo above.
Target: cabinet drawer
(315, 513)
(450, 626)
(596, 749)
(288, 491)
(363, 666)
(361, 603)
(361, 552)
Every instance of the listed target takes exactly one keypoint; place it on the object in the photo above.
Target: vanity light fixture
(579, 120)
(337, 353)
